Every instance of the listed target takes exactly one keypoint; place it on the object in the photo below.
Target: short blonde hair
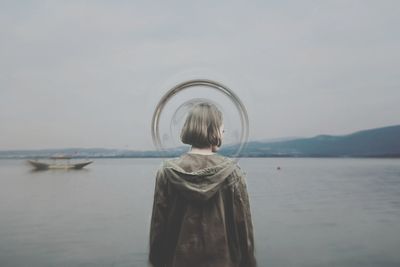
(201, 128)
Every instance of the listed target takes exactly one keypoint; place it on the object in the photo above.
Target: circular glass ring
(208, 83)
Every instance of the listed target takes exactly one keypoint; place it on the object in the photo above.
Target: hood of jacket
(198, 177)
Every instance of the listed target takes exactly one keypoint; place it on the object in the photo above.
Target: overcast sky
(90, 73)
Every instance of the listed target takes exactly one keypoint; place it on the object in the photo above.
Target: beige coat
(201, 214)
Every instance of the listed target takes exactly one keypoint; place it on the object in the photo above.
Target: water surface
(311, 212)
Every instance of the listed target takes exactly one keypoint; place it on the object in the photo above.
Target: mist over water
(310, 212)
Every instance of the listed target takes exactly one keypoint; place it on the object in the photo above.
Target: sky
(91, 73)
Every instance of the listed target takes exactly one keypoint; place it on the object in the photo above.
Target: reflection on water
(58, 170)
(310, 212)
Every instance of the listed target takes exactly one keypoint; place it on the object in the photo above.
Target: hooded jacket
(201, 214)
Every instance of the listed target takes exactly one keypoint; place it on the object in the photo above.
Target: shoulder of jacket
(240, 176)
(236, 176)
(239, 171)
(161, 168)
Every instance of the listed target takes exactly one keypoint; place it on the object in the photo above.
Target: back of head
(201, 127)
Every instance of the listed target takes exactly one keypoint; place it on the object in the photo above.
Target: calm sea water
(311, 212)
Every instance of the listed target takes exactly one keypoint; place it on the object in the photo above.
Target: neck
(203, 151)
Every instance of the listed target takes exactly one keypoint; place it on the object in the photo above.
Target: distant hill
(270, 140)
(378, 142)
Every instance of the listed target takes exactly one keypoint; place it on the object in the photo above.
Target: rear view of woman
(201, 211)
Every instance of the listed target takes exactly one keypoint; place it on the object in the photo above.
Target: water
(311, 212)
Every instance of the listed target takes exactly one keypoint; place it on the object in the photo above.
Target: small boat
(57, 164)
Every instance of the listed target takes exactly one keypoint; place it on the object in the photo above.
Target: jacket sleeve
(157, 255)
(244, 222)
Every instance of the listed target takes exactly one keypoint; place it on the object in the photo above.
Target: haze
(90, 73)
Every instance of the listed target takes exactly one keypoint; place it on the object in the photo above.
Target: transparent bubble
(171, 111)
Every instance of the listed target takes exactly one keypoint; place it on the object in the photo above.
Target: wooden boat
(57, 165)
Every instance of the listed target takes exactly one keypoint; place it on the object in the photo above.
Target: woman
(201, 211)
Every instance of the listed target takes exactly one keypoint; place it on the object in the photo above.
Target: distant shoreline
(372, 143)
(159, 157)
